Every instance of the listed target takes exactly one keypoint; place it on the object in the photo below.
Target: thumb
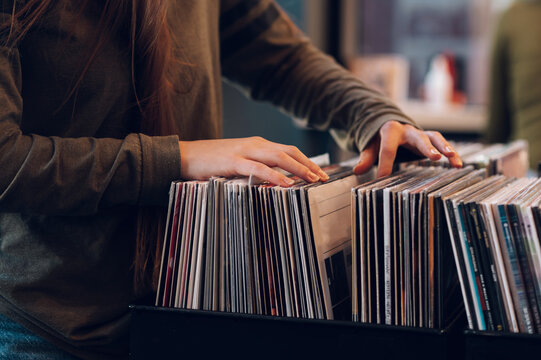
(368, 157)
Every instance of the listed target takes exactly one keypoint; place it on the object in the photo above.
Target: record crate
(158, 333)
(480, 345)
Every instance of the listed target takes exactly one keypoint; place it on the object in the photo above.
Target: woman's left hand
(394, 134)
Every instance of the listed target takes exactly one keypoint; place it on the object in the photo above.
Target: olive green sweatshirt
(515, 92)
(73, 175)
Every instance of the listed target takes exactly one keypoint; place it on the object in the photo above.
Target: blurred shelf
(452, 118)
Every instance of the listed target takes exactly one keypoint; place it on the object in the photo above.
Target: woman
(103, 104)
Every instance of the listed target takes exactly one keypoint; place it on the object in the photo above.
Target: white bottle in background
(439, 82)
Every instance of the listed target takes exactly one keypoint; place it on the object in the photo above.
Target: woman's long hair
(151, 59)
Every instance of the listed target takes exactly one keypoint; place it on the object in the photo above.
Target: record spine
(523, 310)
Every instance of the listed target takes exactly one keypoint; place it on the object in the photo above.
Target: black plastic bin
(166, 333)
(499, 346)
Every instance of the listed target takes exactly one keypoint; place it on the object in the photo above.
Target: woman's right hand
(256, 156)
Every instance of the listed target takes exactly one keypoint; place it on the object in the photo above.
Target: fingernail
(434, 151)
(449, 149)
(313, 177)
(289, 181)
(323, 175)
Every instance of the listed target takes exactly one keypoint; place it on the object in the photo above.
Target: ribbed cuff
(160, 166)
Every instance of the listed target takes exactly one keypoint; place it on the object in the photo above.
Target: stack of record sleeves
(495, 227)
(403, 272)
(409, 229)
(510, 159)
(260, 249)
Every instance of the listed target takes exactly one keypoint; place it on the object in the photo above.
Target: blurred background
(430, 56)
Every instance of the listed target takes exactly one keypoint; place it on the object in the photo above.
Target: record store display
(416, 248)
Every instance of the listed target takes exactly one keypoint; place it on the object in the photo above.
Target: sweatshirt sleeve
(269, 58)
(75, 176)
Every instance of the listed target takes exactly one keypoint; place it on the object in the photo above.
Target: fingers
(440, 143)
(444, 147)
(394, 134)
(455, 161)
(286, 157)
(250, 167)
(297, 155)
(277, 158)
(420, 141)
(368, 157)
(391, 136)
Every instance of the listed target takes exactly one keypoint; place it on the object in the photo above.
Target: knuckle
(293, 149)
(243, 147)
(433, 133)
(391, 127)
(257, 141)
(282, 156)
(386, 127)
(411, 127)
